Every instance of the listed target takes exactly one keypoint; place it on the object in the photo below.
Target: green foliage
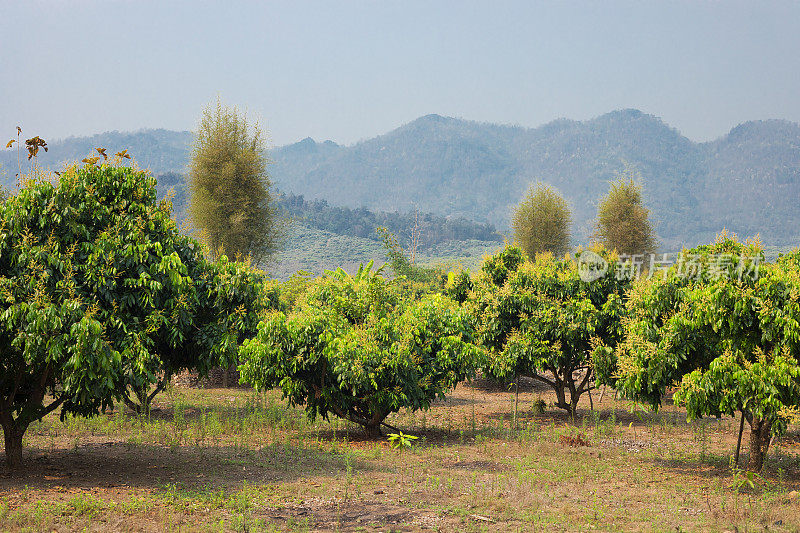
(459, 285)
(729, 339)
(360, 348)
(401, 440)
(623, 222)
(541, 319)
(661, 342)
(402, 265)
(103, 298)
(230, 189)
(498, 267)
(95, 279)
(541, 222)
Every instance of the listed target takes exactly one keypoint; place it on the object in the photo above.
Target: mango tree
(95, 280)
(227, 302)
(728, 337)
(544, 319)
(360, 348)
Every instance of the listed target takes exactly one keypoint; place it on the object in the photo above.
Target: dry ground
(234, 460)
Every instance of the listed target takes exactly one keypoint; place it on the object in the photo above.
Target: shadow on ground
(142, 465)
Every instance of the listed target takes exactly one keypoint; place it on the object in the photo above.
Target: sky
(348, 71)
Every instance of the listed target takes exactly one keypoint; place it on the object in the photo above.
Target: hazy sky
(350, 70)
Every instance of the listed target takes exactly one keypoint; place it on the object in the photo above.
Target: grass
(234, 460)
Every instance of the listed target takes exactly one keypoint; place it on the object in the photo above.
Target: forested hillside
(361, 222)
(746, 181)
(430, 229)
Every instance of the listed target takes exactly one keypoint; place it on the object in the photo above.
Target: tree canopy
(103, 297)
(360, 348)
(544, 319)
(728, 337)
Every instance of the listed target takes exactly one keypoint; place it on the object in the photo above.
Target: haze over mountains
(747, 181)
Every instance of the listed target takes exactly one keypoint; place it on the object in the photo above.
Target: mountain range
(746, 181)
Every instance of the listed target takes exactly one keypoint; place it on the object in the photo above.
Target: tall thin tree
(231, 199)
(623, 222)
(541, 222)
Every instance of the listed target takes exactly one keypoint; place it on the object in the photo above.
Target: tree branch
(585, 379)
(53, 406)
(544, 380)
(131, 405)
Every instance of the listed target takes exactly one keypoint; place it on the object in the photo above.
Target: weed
(401, 440)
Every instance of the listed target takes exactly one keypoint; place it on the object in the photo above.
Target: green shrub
(361, 348)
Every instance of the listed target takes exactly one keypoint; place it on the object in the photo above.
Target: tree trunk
(13, 443)
(573, 404)
(373, 431)
(561, 397)
(133, 406)
(739, 441)
(516, 399)
(759, 444)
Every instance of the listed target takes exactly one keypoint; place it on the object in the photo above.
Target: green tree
(402, 265)
(623, 222)
(728, 337)
(360, 348)
(544, 319)
(231, 200)
(221, 308)
(96, 284)
(541, 222)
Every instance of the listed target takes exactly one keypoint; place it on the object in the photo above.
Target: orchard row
(103, 300)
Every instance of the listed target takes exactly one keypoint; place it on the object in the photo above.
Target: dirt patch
(231, 460)
(478, 465)
(338, 516)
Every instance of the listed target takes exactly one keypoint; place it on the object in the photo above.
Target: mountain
(746, 181)
(752, 181)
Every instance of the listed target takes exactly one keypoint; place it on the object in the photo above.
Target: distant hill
(747, 181)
